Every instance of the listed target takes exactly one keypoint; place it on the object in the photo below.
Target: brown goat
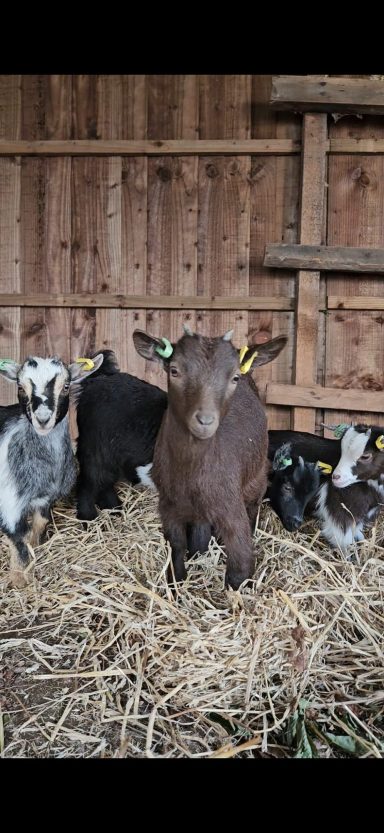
(210, 460)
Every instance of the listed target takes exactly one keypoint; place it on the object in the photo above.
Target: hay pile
(97, 659)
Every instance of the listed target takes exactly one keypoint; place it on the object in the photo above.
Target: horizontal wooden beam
(332, 95)
(100, 301)
(330, 258)
(364, 146)
(317, 397)
(147, 147)
(179, 147)
(359, 302)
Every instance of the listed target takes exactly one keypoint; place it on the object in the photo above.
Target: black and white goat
(37, 465)
(118, 419)
(343, 510)
(355, 494)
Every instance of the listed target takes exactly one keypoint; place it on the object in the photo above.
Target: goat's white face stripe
(40, 375)
(35, 375)
(352, 447)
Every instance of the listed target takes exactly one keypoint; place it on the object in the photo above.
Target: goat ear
(151, 348)
(282, 457)
(9, 369)
(82, 368)
(261, 353)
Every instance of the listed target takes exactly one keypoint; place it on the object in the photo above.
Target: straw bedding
(98, 659)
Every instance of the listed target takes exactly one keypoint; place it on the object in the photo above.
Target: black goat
(118, 418)
(293, 485)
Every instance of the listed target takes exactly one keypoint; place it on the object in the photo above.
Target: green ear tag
(165, 351)
(4, 362)
(339, 430)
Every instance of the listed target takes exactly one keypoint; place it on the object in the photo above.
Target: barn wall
(175, 225)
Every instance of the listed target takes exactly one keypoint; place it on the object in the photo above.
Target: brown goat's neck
(182, 444)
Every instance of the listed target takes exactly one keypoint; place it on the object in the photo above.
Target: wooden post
(313, 201)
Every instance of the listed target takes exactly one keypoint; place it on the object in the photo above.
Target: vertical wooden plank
(274, 216)
(313, 202)
(10, 115)
(58, 214)
(172, 206)
(224, 201)
(122, 115)
(45, 215)
(33, 215)
(355, 340)
(84, 196)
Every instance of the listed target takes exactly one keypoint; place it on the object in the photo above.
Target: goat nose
(296, 521)
(44, 421)
(335, 477)
(204, 418)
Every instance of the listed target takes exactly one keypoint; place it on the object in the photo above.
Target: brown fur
(220, 479)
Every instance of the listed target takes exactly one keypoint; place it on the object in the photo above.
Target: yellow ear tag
(88, 363)
(380, 442)
(242, 353)
(244, 368)
(325, 467)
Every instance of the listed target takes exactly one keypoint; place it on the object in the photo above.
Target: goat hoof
(18, 579)
(234, 580)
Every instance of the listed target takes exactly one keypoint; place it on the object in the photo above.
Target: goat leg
(176, 534)
(237, 539)
(198, 537)
(19, 554)
(39, 522)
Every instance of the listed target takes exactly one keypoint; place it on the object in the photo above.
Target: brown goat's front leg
(236, 536)
(176, 534)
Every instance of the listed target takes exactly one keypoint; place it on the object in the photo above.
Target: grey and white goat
(37, 465)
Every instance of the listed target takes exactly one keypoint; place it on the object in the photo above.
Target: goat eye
(286, 487)
(66, 386)
(174, 371)
(20, 389)
(236, 379)
(365, 458)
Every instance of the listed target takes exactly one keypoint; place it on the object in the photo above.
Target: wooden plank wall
(355, 339)
(190, 225)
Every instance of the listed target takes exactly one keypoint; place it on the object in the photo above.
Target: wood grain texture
(10, 249)
(355, 342)
(313, 202)
(315, 396)
(120, 301)
(332, 95)
(172, 207)
(224, 202)
(360, 302)
(144, 147)
(329, 258)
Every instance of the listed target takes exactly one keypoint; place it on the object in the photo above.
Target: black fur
(118, 419)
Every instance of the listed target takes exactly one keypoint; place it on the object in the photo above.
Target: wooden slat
(33, 215)
(274, 182)
(100, 301)
(313, 200)
(172, 205)
(181, 147)
(109, 274)
(331, 95)
(315, 396)
(356, 145)
(58, 215)
(158, 147)
(224, 201)
(355, 339)
(10, 250)
(330, 258)
(359, 302)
